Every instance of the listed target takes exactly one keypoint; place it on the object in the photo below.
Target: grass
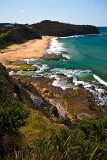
(4, 34)
(13, 63)
(37, 125)
(28, 67)
(53, 57)
(47, 142)
(22, 66)
(57, 95)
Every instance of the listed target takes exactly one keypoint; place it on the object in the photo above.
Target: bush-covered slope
(54, 28)
(12, 112)
(15, 97)
(84, 140)
(28, 33)
(17, 35)
(21, 33)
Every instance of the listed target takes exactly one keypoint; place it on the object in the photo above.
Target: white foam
(100, 80)
(74, 36)
(16, 73)
(59, 82)
(71, 73)
(11, 73)
(55, 47)
(85, 35)
(99, 93)
(41, 68)
(29, 60)
(66, 56)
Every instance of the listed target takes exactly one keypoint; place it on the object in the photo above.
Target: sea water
(87, 63)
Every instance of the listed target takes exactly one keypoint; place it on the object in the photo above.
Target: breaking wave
(100, 80)
(79, 76)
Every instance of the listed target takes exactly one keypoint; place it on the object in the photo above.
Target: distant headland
(19, 33)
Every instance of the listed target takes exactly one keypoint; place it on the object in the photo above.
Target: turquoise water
(87, 63)
(88, 52)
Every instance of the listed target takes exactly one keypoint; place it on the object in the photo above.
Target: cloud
(22, 11)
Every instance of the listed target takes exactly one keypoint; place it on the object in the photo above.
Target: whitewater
(86, 63)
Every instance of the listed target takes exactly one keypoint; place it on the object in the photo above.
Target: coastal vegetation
(17, 35)
(20, 33)
(21, 66)
(48, 57)
(28, 129)
(31, 125)
(54, 28)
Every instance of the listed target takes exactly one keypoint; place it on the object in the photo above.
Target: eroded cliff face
(53, 28)
(76, 104)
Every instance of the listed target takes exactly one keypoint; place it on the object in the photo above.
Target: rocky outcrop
(77, 102)
(48, 57)
(38, 102)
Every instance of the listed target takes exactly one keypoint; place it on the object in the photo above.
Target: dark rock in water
(54, 111)
(102, 94)
(80, 85)
(33, 69)
(61, 75)
(48, 57)
(64, 77)
(93, 87)
(64, 52)
(70, 79)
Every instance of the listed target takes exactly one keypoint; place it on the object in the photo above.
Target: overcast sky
(92, 12)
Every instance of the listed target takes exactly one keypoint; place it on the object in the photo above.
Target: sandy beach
(31, 49)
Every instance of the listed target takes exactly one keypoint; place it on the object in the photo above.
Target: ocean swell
(100, 80)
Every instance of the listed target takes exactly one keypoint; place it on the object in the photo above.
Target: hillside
(40, 121)
(18, 102)
(17, 35)
(54, 28)
(43, 132)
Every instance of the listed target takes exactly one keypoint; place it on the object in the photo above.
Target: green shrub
(70, 144)
(12, 114)
(3, 81)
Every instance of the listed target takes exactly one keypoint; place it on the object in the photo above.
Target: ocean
(87, 64)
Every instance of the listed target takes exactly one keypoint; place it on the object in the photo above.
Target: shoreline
(31, 49)
(41, 47)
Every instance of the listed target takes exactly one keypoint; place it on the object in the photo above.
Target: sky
(93, 12)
